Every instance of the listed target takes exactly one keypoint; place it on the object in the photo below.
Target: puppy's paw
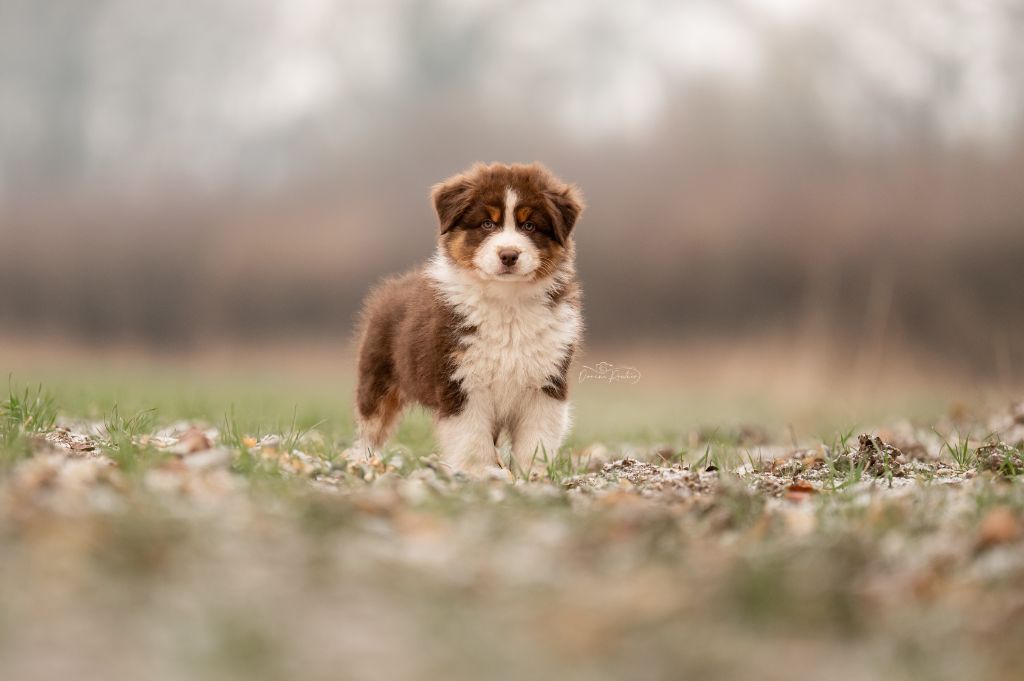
(481, 470)
(496, 473)
(362, 451)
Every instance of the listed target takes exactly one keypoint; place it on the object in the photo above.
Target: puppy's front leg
(467, 438)
(540, 430)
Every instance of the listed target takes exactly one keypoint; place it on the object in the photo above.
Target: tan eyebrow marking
(523, 213)
(494, 213)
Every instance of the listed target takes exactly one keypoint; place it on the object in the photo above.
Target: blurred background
(792, 179)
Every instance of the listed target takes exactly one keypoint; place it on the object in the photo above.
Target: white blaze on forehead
(511, 200)
(509, 237)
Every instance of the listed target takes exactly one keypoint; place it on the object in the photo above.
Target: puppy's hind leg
(379, 405)
(377, 425)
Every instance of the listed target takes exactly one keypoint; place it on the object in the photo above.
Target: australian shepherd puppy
(483, 333)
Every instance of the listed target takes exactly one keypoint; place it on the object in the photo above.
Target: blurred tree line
(843, 171)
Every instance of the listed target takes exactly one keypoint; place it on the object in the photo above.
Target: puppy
(483, 333)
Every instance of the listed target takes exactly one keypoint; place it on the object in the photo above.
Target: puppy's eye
(528, 226)
(488, 224)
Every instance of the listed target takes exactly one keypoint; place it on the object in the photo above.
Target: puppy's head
(507, 222)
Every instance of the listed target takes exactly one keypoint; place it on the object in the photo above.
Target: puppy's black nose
(508, 257)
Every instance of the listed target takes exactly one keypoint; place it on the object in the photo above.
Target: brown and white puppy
(484, 332)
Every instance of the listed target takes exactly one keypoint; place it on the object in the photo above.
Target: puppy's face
(507, 222)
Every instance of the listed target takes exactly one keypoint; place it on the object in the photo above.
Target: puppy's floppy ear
(452, 198)
(568, 204)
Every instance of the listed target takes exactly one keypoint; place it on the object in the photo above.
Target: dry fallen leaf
(959, 412)
(378, 502)
(192, 440)
(800, 490)
(812, 459)
(999, 526)
(620, 496)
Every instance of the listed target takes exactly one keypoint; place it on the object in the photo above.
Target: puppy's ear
(568, 204)
(452, 198)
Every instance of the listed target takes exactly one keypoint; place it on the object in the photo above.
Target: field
(162, 521)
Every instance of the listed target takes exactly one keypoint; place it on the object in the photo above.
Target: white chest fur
(520, 338)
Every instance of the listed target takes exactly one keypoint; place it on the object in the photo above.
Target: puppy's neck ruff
(516, 336)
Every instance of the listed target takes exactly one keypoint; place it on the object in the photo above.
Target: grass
(27, 411)
(960, 450)
(232, 434)
(557, 466)
(396, 567)
(842, 476)
(712, 459)
(122, 439)
(22, 414)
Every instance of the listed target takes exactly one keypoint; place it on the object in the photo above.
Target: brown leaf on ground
(960, 413)
(799, 490)
(999, 526)
(192, 440)
(786, 466)
(812, 458)
(377, 502)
